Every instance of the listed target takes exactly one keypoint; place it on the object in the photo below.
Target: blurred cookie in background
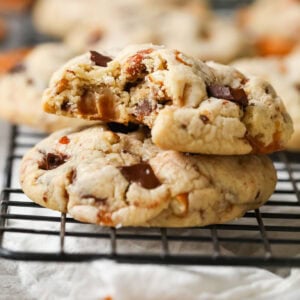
(24, 74)
(189, 30)
(73, 13)
(272, 25)
(284, 75)
(3, 29)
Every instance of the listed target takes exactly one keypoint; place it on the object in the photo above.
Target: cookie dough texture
(115, 179)
(191, 106)
(24, 75)
(284, 75)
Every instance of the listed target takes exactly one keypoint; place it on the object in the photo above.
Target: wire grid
(276, 224)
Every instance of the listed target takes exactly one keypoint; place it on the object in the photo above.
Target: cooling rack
(269, 236)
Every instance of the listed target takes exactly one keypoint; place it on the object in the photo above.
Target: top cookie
(191, 106)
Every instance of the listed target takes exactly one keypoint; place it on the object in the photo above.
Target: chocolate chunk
(99, 59)
(226, 92)
(141, 173)
(18, 68)
(204, 119)
(52, 161)
(117, 127)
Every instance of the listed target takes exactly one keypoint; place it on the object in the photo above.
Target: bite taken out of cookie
(189, 105)
(112, 177)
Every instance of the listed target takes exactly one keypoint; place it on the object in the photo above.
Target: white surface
(103, 279)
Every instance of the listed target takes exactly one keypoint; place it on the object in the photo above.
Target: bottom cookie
(122, 179)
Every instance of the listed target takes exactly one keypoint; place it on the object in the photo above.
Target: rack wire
(269, 236)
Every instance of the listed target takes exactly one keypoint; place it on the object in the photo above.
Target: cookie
(193, 32)
(116, 178)
(24, 75)
(273, 25)
(283, 75)
(191, 106)
(70, 14)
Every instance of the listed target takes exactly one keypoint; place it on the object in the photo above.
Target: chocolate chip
(52, 161)
(204, 119)
(99, 59)
(141, 173)
(18, 68)
(226, 92)
(117, 127)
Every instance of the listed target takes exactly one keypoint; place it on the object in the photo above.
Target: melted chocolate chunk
(52, 161)
(99, 59)
(141, 173)
(117, 127)
(226, 92)
(18, 68)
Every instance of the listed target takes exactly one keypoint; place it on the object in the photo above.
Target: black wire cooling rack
(269, 236)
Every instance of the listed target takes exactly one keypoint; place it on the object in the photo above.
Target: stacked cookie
(180, 144)
(24, 74)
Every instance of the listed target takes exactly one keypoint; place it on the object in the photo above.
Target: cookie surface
(191, 106)
(24, 75)
(284, 75)
(116, 179)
